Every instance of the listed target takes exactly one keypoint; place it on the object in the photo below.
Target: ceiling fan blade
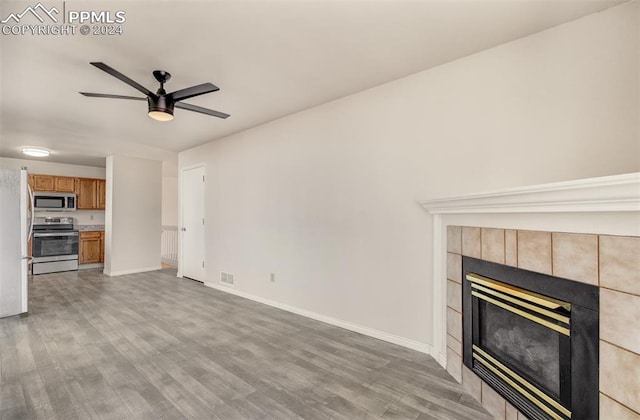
(201, 110)
(106, 95)
(115, 73)
(192, 91)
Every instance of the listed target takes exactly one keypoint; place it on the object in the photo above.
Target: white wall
(325, 198)
(169, 201)
(133, 215)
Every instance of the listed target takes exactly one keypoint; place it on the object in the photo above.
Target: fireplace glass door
(522, 344)
(523, 338)
(533, 338)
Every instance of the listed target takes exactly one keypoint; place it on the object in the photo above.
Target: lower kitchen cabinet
(91, 247)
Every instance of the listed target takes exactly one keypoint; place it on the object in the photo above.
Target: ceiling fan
(161, 103)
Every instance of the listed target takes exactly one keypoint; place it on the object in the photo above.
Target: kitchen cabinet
(91, 193)
(87, 191)
(102, 184)
(42, 182)
(65, 184)
(91, 245)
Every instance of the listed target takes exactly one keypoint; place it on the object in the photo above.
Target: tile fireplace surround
(587, 231)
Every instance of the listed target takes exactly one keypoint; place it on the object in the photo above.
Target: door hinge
(203, 220)
(202, 178)
(202, 264)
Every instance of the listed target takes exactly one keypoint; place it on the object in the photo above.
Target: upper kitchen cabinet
(42, 182)
(87, 190)
(52, 183)
(65, 184)
(102, 185)
(91, 193)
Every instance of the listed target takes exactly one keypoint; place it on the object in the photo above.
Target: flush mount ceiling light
(161, 103)
(36, 152)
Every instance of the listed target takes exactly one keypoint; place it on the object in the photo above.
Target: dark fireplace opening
(524, 345)
(533, 338)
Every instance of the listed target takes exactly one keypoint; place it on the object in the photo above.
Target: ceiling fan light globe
(160, 115)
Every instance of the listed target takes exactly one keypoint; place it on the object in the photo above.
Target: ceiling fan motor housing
(161, 104)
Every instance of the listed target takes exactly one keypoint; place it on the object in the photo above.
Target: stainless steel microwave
(48, 201)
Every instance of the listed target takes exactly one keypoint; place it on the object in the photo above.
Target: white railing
(169, 247)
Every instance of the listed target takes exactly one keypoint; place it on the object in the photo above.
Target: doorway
(192, 226)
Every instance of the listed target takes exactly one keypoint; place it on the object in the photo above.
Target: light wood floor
(151, 346)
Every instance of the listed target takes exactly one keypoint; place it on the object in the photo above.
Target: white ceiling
(269, 58)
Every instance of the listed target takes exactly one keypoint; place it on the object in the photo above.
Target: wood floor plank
(297, 405)
(152, 346)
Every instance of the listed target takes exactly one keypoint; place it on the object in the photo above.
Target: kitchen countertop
(86, 228)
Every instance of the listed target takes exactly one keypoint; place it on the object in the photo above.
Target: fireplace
(533, 338)
(584, 230)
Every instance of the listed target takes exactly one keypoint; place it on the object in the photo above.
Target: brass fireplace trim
(532, 297)
(554, 315)
(491, 365)
(527, 315)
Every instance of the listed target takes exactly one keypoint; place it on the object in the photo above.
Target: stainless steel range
(55, 245)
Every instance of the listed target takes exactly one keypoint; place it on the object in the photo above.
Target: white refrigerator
(16, 216)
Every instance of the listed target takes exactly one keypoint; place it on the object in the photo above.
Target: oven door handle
(41, 235)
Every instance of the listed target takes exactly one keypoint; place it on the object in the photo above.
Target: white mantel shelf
(608, 204)
(609, 193)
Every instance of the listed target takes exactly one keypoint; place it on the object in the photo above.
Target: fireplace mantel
(607, 205)
(609, 193)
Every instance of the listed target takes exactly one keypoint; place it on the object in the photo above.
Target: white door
(192, 229)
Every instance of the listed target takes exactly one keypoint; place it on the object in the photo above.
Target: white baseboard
(132, 271)
(371, 332)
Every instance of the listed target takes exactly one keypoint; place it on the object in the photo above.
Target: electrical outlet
(273, 277)
(91, 217)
